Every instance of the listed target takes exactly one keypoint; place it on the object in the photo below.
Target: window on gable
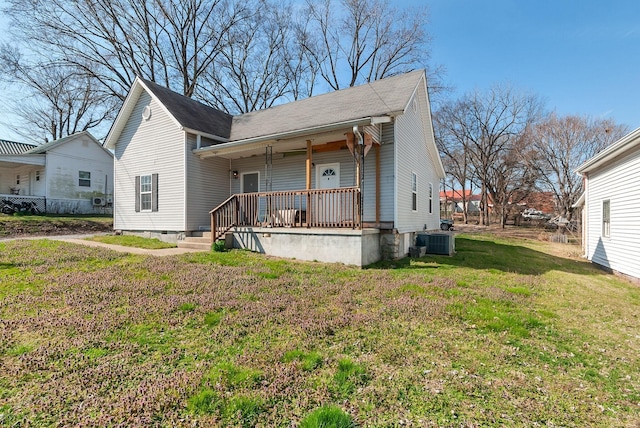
(606, 218)
(414, 191)
(84, 178)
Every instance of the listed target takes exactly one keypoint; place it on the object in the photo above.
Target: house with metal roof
(349, 176)
(71, 175)
(610, 209)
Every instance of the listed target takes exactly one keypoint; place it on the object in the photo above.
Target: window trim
(606, 218)
(414, 191)
(84, 181)
(153, 192)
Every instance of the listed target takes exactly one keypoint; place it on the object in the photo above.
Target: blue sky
(581, 57)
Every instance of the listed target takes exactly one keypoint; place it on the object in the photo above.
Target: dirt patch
(11, 227)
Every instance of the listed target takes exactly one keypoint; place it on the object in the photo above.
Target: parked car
(533, 214)
(446, 224)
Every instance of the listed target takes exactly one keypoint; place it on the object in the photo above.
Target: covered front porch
(22, 187)
(316, 196)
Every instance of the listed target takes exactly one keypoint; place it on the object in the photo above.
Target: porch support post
(309, 163)
(309, 168)
(377, 183)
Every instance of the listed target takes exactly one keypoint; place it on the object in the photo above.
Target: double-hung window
(145, 193)
(430, 198)
(84, 178)
(606, 218)
(414, 191)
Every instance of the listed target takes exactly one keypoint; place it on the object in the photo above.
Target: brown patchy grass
(504, 333)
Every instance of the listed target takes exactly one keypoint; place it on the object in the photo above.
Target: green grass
(327, 417)
(505, 333)
(132, 241)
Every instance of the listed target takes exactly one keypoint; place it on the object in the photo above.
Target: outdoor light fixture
(235, 174)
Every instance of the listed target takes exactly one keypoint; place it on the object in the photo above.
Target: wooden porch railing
(326, 208)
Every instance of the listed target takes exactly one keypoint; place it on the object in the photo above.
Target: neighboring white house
(611, 212)
(71, 175)
(347, 176)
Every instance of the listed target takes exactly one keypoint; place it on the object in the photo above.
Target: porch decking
(338, 208)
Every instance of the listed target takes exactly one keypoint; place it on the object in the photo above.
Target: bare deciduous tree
(561, 145)
(237, 55)
(357, 41)
(488, 125)
(55, 101)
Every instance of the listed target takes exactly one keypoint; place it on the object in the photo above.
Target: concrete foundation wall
(352, 247)
(170, 237)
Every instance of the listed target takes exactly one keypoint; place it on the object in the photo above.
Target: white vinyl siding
(207, 185)
(618, 184)
(154, 146)
(289, 172)
(412, 155)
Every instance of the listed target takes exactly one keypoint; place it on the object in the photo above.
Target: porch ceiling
(14, 161)
(285, 145)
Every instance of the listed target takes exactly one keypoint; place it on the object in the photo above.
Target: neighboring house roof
(620, 147)
(44, 148)
(385, 97)
(190, 113)
(456, 195)
(13, 148)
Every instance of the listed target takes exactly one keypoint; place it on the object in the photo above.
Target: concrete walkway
(80, 239)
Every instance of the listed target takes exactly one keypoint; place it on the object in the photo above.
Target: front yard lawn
(505, 333)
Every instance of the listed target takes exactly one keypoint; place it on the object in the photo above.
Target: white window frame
(81, 179)
(430, 198)
(146, 188)
(606, 218)
(414, 191)
(38, 175)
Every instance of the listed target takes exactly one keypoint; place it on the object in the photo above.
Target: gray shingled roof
(378, 98)
(191, 113)
(14, 148)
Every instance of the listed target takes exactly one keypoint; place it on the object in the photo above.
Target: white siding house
(71, 175)
(611, 212)
(336, 177)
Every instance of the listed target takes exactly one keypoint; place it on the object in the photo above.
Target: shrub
(327, 417)
(219, 246)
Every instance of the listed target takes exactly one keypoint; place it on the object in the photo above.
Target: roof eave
(627, 142)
